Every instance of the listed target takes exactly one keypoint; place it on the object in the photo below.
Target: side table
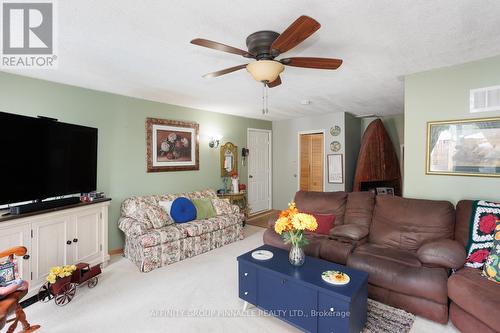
(239, 199)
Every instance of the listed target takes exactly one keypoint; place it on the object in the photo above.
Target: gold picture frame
(172, 145)
(467, 147)
(228, 159)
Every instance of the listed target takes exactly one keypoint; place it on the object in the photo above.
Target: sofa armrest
(131, 227)
(445, 253)
(235, 209)
(353, 232)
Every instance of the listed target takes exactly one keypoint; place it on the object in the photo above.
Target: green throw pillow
(491, 267)
(204, 208)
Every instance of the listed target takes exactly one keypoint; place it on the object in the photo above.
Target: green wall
(352, 144)
(443, 94)
(286, 150)
(286, 153)
(122, 138)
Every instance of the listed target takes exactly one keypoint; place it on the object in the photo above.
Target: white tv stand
(60, 236)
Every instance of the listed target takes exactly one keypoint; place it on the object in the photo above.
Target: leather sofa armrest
(445, 253)
(353, 232)
(272, 219)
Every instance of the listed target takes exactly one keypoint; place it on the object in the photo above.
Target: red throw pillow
(325, 223)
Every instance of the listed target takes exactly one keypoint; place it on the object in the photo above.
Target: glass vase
(296, 256)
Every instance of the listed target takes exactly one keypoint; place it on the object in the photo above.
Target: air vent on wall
(485, 99)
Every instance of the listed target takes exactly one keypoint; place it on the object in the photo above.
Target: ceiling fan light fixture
(265, 70)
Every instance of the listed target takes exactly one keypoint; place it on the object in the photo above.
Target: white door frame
(320, 131)
(270, 178)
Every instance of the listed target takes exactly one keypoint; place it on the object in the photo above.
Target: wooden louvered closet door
(311, 162)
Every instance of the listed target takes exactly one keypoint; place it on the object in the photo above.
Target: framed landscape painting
(464, 147)
(172, 145)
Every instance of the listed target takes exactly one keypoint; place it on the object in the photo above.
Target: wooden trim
(264, 212)
(261, 219)
(115, 251)
(149, 144)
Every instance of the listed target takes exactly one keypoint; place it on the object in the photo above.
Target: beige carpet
(126, 300)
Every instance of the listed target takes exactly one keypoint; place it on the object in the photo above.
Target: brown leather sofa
(406, 246)
(474, 299)
(353, 213)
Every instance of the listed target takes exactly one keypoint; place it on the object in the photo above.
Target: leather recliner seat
(353, 214)
(405, 245)
(409, 254)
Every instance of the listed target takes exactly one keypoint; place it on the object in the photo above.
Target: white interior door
(259, 170)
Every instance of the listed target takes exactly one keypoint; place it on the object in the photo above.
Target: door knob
(250, 176)
(68, 242)
(75, 240)
(26, 256)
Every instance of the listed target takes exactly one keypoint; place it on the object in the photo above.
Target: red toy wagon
(64, 289)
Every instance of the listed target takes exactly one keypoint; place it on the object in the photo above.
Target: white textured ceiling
(142, 49)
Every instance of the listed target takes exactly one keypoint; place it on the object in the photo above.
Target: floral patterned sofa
(153, 240)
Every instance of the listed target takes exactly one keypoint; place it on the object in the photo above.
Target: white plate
(262, 255)
(325, 276)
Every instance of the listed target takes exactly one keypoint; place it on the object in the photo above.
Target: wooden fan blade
(275, 83)
(225, 71)
(299, 30)
(221, 47)
(308, 62)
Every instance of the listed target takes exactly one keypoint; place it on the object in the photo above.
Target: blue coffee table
(299, 296)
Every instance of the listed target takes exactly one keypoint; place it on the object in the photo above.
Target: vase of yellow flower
(59, 276)
(296, 256)
(291, 225)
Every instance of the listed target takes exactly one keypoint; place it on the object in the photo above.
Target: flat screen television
(43, 158)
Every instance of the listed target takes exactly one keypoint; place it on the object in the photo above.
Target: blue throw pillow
(183, 210)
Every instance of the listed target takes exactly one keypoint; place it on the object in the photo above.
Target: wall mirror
(228, 159)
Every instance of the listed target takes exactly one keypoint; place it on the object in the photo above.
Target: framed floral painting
(172, 145)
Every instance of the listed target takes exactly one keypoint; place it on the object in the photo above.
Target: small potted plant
(291, 225)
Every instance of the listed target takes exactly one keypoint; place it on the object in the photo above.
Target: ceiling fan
(265, 46)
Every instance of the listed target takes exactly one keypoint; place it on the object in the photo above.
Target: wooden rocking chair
(10, 304)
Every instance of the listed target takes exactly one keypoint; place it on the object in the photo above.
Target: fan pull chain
(264, 98)
(265, 109)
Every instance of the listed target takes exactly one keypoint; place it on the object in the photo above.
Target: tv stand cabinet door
(19, 235)
(49, 246)
(86, 236)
